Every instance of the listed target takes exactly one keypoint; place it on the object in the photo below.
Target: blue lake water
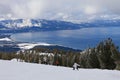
(77, 39)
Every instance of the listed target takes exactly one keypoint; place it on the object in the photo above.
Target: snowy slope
(12, 70)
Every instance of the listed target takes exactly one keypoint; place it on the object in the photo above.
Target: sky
(58, 9)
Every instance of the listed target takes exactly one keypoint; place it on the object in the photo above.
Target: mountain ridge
(36, 25)
(28, 25)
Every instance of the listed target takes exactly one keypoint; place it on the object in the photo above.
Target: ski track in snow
(12, 70)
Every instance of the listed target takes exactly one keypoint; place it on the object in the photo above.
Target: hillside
(12, 70)
(7, 44)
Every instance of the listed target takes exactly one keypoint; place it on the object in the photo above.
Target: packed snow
(12, 70)
(15, 60)
(31, 45)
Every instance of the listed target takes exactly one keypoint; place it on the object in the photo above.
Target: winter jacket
(75, 65)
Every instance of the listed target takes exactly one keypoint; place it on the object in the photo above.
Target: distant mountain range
(35, 25)
(32, 25)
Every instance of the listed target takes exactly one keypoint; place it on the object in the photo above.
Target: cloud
(56, 9)
(22, 8)
(28, 9)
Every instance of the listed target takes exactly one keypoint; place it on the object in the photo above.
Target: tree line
(104, 56)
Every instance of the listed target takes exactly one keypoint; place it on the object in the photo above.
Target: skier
(57, 63)
(76, 66)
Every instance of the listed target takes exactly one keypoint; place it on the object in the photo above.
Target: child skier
(76, 66)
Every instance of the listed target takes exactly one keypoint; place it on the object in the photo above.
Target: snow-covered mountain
(19, 23)
(35, 25)
(28, 25)
(13, 70)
